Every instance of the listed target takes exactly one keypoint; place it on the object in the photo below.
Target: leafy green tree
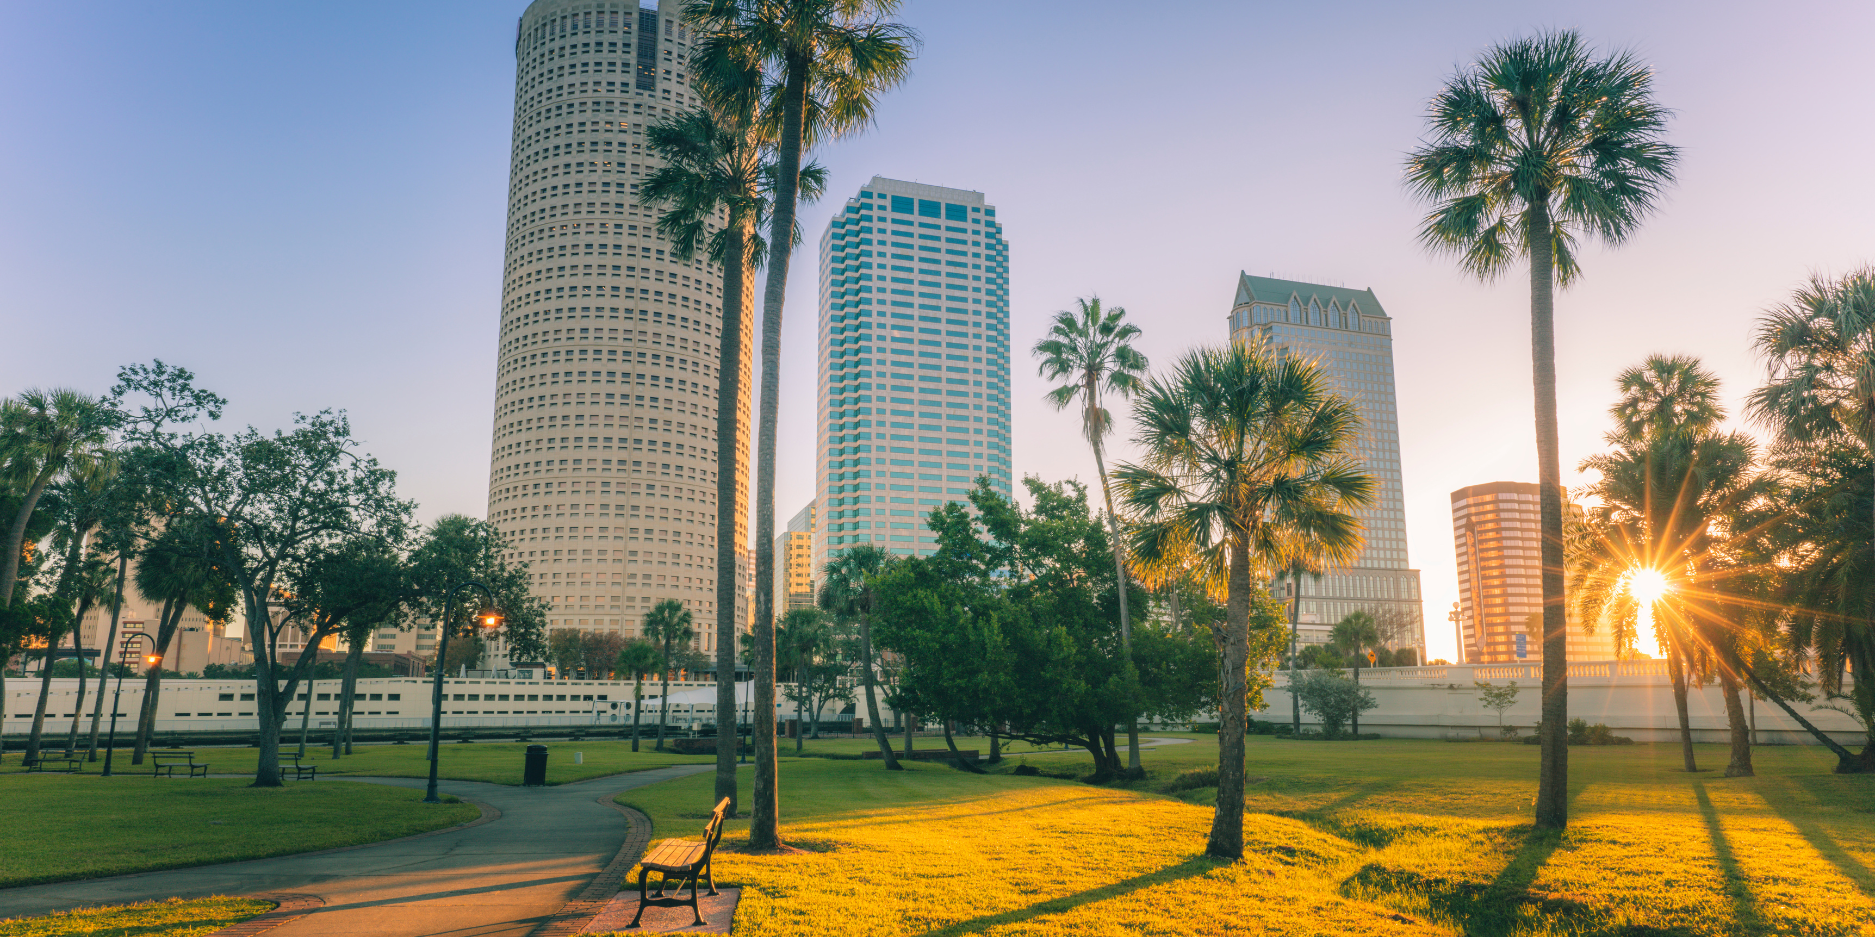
(1820, 348)
(1246, 451)
(638, 658)
(563, 649)
(1535, 146)
(667, 625)
(818, 66)
(182, 568)
(348, 588)
(846, 591)
(1092, 349)
(1497, 698)
(599, 650)
(807, 651)
(1331, 698)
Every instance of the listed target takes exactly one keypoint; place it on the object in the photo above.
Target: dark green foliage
(1331, 698)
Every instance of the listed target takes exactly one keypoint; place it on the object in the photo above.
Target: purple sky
(305, 205)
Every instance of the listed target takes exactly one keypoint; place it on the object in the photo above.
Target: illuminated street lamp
(487, 620)
(152, 660)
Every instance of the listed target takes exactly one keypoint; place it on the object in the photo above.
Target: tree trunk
(1357, 702)
(1226, 840)
(731, 451)
(268, 720)
(107, 654)
(996, 746)
(1295, 631)
(872, 700)
(1740, 765)
(1846, 763)
(166, 622)
(78, 652)
(911, 725)
(16, 539)
(638, 703)
(1552, 792)
(1119, 578)
(348, 687)
(1677, 665)
(664, 698)
(305, 715)
(39, 712)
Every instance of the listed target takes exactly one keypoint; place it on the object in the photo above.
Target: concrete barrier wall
(1633, 698)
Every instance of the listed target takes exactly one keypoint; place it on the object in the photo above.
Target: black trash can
(534, 773)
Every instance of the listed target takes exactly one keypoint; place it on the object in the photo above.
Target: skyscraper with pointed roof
(1349, 333)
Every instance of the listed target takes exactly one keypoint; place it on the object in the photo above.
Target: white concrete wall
(1633, 698)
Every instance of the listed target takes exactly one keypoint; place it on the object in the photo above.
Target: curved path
(503, 877)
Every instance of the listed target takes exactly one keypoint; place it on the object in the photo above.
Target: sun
(1648, 585)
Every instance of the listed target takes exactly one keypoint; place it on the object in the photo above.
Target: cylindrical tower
(604, 468)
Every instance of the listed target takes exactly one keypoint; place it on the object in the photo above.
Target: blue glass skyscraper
(913, 398)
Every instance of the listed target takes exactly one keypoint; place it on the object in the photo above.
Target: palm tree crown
(1090, 349)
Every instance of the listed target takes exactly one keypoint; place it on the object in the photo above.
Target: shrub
(1205, 727)
(1331, 698)
(1259, 727)
(1193, 779)
(1578, 731)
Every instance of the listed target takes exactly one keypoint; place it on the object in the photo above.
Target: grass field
(172, 918)
(62, 827)
(1388, 837)
(492, 762)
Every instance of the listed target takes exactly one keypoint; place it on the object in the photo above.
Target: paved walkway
(498, 878)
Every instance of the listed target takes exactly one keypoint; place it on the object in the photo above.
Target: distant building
(912, 405)
(1496, 532)
(1351, 336)
(794, 562)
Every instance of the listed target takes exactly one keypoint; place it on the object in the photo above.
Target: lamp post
(488, 618)
(110, 747)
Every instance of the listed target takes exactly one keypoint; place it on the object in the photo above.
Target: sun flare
(1648, 585)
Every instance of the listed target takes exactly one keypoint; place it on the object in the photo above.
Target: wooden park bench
(165, 763)
(682, 861)
(300, 772)
(73, 762)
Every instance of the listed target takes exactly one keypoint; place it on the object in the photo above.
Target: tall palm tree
(181, 567)
(1819, 398)
(637, 659)
(822, 64)
(1354, 635)
(44, 433)
(1244, 447)
(1092, 349)
(667, 625)
(710, 190)
(1670, 494)
(846, 591)
(800, 640)
(1538, 144)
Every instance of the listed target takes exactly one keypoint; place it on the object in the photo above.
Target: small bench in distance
(165, 763)
(683, 861)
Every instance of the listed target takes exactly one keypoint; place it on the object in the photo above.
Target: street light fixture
(488, 619)
(152, 660)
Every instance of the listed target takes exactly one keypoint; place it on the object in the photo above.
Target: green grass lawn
(172, 918)
(1386, 837)
(492, 762)
(62, 827)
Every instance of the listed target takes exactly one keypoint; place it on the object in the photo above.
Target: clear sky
(304, 203)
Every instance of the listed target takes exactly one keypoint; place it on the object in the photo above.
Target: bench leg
(709, 874)
(643, 896)
(695, 911)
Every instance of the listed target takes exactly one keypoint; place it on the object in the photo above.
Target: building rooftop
(1272, 290)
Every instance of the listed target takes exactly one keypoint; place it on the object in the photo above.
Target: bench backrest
(714, 832)
(184, 756)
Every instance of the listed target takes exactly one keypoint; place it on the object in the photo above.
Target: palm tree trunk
(664, 698)
(107, 652)
(16, 537)
(1226, 839)
(764, 832)
(39, 713)
(78, 652)
(166, 621)
(872, 700)
(638, 702)
(348, 687)
(1552, 792)
(1119, 578)
(305, 713)
(1845, 762)
(1295, 631)
(731, 453)
(1677, 665)
(1740, 765)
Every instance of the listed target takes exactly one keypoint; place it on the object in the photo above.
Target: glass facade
(912, 404)
(1351, 336)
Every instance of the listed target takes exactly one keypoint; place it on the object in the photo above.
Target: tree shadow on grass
(1744, 908)
(1323, 817)
(1824, 843)
(1195, 866)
